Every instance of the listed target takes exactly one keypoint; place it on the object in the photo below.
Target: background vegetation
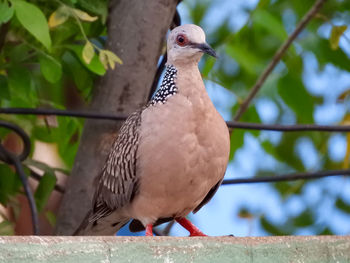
(52, 53)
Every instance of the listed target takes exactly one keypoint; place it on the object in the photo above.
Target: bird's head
(186, 44)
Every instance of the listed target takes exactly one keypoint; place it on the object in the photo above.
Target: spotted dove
(170, 156)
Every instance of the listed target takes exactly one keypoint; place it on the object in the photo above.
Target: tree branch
(277, 57)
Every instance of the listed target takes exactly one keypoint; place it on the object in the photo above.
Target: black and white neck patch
(167, 88)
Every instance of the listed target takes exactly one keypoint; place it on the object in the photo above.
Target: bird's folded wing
(208, 197)
(117, 183)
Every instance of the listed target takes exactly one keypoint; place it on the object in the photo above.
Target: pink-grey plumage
(170, 156)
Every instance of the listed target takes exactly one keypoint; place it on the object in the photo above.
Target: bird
(170, 156)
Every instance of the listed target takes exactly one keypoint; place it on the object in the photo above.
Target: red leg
(149, 230)
(194, 231)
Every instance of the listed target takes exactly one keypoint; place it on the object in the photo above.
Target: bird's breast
(183, 152)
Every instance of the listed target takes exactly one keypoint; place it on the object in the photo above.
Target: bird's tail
(102, 227)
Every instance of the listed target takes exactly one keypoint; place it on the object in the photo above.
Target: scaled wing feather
(117, 183)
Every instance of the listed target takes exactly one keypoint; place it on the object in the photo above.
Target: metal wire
(287, 177)
(25, 139)
(230, 124)
(16, 160)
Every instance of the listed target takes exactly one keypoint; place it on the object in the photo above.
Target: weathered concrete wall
(174, 249)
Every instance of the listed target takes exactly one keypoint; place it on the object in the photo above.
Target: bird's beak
(205, 48)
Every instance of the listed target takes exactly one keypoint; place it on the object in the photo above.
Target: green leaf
(43, 192)
(21, 85)
(96, 7)
(343, 96)
(237, 140)
(251, 115)
(209, 63)
(33, 19)
(292, 91)
(51, 218)
(268, 21)
(19, 80)
(245, 213)
(58, 17)
(245, 58)
(68, 135)
(342, 205)
(325, 55)
(51, 68)
(199, 10)
(9, 183)
(326, 231)
(4, 89)
(83, 15)
(44, 167)
(285, 153)
(19, 52)
(113, 57)
(103, 59)
(283, 189)
(79, 74)
(6, 11)
(43, 133)
(336, 33)
(304, 219)
(108, 58)
(88, 52)
(263, 4)
(7, 228)
(272, 229)
(95, 64)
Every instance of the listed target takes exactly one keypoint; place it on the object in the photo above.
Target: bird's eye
(181, 40)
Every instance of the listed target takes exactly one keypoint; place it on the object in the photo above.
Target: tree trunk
(136, 33)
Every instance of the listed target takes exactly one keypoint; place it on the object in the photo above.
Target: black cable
(230, 124)
(13, 159)
(288, 128)
(58, 112)
(288, 177)
(25, 139)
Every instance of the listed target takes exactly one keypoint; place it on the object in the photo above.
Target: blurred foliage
(51, 54)
(245, 52)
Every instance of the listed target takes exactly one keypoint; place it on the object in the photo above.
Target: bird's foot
(197, 234)
(194, 231)
(149, 230)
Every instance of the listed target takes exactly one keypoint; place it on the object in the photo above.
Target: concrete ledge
(175, 249)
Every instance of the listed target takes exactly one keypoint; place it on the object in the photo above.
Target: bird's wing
(209, 196)
(117, 183)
